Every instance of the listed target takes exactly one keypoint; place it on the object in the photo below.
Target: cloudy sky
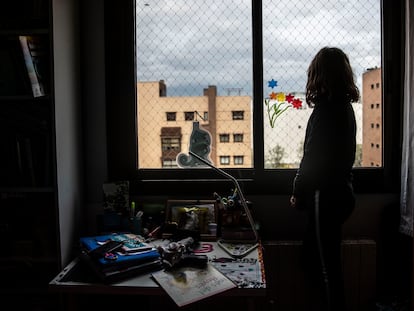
(193, 44)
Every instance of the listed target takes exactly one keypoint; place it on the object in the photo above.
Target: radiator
(286, 288)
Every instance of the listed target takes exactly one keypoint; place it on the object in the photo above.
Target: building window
(238, 160)
(237, 115)
(170, 147)
(224, 138)
(225, 160)
(205, 118)
(189, 115)
(171, 144)
(238, 138)
(171, 116)
(169, 163)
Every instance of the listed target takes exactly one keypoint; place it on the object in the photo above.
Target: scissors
(110, 256)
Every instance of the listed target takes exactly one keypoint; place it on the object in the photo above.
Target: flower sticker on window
(279, 102)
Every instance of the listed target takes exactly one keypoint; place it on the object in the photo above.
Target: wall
(68, 121)
(93, 94)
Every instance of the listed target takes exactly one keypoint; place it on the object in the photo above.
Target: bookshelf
(29, 227)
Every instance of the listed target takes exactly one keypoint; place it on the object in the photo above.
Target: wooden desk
(79, 288)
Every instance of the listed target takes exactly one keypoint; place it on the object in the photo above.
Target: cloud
(193, 44)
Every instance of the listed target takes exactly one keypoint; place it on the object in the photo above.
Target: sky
(193, 44)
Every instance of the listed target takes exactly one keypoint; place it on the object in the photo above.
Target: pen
(154, 232)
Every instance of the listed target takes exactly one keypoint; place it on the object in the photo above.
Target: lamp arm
(239, 191)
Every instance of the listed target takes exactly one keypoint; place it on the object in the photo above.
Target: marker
(132, 209)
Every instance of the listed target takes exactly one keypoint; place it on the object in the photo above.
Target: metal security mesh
(293, 32)
(194, 66)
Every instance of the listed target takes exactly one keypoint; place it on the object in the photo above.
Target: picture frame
(194, 215)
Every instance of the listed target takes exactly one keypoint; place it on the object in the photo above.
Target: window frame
(238, 137)
(171, 116)
(122, 129)
(224, 138)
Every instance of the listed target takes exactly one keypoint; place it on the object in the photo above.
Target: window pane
(293, 32)
(225, 160)
(238, 138)
(191, 65)
(238, 160)
(224, 138)
(194, 58)
(171, 116)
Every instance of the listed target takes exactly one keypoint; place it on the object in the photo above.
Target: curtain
(407, 163)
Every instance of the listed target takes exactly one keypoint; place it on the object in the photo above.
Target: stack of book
(114, 257)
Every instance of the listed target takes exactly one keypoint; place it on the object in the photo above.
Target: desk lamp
(200, 141)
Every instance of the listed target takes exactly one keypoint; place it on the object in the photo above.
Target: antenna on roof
(234, 89)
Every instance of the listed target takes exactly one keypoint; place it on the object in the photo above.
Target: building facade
(372, 118)
(165, 125)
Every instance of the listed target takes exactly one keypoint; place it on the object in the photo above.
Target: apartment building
(165, 125)
(372, 118)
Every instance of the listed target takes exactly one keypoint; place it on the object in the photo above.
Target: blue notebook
(134, 250)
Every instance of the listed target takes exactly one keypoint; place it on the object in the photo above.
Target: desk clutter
(191, 248)
(188, 270)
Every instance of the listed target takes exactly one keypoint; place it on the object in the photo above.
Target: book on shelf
(35, 57)
(186, 285)
(14, 80)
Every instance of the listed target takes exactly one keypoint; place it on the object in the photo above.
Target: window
(170, 144)
(238, 138)
(224, 160)
(237, 115)
(224, 138)
(189, 115)
(171, 116)
(260, 48)
(169, 163)
(238, 160)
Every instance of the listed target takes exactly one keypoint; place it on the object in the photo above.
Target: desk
(75, 281)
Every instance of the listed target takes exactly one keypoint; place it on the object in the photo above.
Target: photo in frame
(192, 215)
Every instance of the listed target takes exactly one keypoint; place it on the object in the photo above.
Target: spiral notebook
(187, 285)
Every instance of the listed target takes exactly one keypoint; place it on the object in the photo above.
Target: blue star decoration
(272, 83)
